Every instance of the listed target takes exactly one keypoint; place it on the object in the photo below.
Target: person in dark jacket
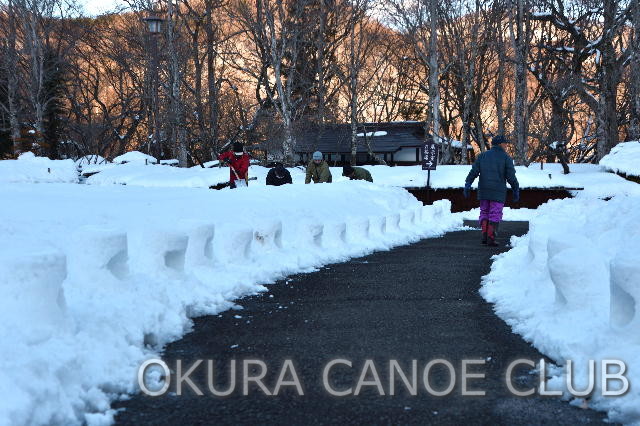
(356, 173)
(494, 167)
(278, 176)
(238, 161)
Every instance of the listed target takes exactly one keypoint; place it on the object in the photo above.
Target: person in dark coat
(278, 176)
(495, 168)
(356, 173)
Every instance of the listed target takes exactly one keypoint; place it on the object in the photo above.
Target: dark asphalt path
(415, 302)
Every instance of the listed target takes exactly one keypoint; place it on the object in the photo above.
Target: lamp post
(154, 28)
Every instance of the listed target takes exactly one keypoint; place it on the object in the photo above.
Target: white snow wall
(571, 286)
(102, 278)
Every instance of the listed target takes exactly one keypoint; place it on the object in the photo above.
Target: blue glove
(467, 190)
(516, 195)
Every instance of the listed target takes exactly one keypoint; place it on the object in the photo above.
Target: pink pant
(491, 210)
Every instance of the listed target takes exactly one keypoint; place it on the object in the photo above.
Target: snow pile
(623, 158)
(158, 175)
(454, 177)
(153, 175)
(571, 288)
(29, 168)
(135, 157)
(597, 183)
(97, 279)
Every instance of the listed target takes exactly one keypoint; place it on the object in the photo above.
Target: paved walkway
(416, 302)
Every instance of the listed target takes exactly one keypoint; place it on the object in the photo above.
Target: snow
(372, 134)
(454, 143)
(576, 296)
(135, 157)
(172, 162)
(29, 168)
(153, 175)
(96, 279)
(623, 158)
(454, 177)
(210, 163)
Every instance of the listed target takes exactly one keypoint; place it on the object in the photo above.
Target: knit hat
(238, 148)
(347, 170)
(317, 155)
(498, 139)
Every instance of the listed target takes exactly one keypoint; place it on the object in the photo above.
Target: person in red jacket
(238, 164)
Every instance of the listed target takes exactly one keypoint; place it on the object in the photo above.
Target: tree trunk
(320, 71)
(212, 84)
(353, 90)
(520, 113)
(499, 87)
(433, 111)
(36, 53)
(634, 126)
(608, 82)
(12, 78)
(470, 76)
(178, 131)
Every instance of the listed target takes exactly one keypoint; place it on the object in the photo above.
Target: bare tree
(359, 48)
(520, 36)
(12, 73)
(418, 23)
(634, 72)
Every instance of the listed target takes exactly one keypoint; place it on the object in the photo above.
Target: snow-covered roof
(134, 156)
(372, 134)
(383, 137)
(623, 158)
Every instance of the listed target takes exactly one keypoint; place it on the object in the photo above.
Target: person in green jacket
(356, 173)
(318, 170)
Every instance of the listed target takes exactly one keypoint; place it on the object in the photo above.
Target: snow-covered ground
(138, 174)
(29, 168)
(96, 279)
(99, 277)
(572, 288)
(623, 158)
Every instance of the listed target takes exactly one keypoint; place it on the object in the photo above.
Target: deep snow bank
(623, 158)
(454, 177)
(29, 168)
(571, 287)
(97, 279)
(153, 175)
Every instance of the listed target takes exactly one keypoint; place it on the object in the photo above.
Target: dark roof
(336, 138)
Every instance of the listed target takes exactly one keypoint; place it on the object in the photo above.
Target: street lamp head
(154, 23)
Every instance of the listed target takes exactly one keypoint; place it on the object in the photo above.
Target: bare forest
(185, 78)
